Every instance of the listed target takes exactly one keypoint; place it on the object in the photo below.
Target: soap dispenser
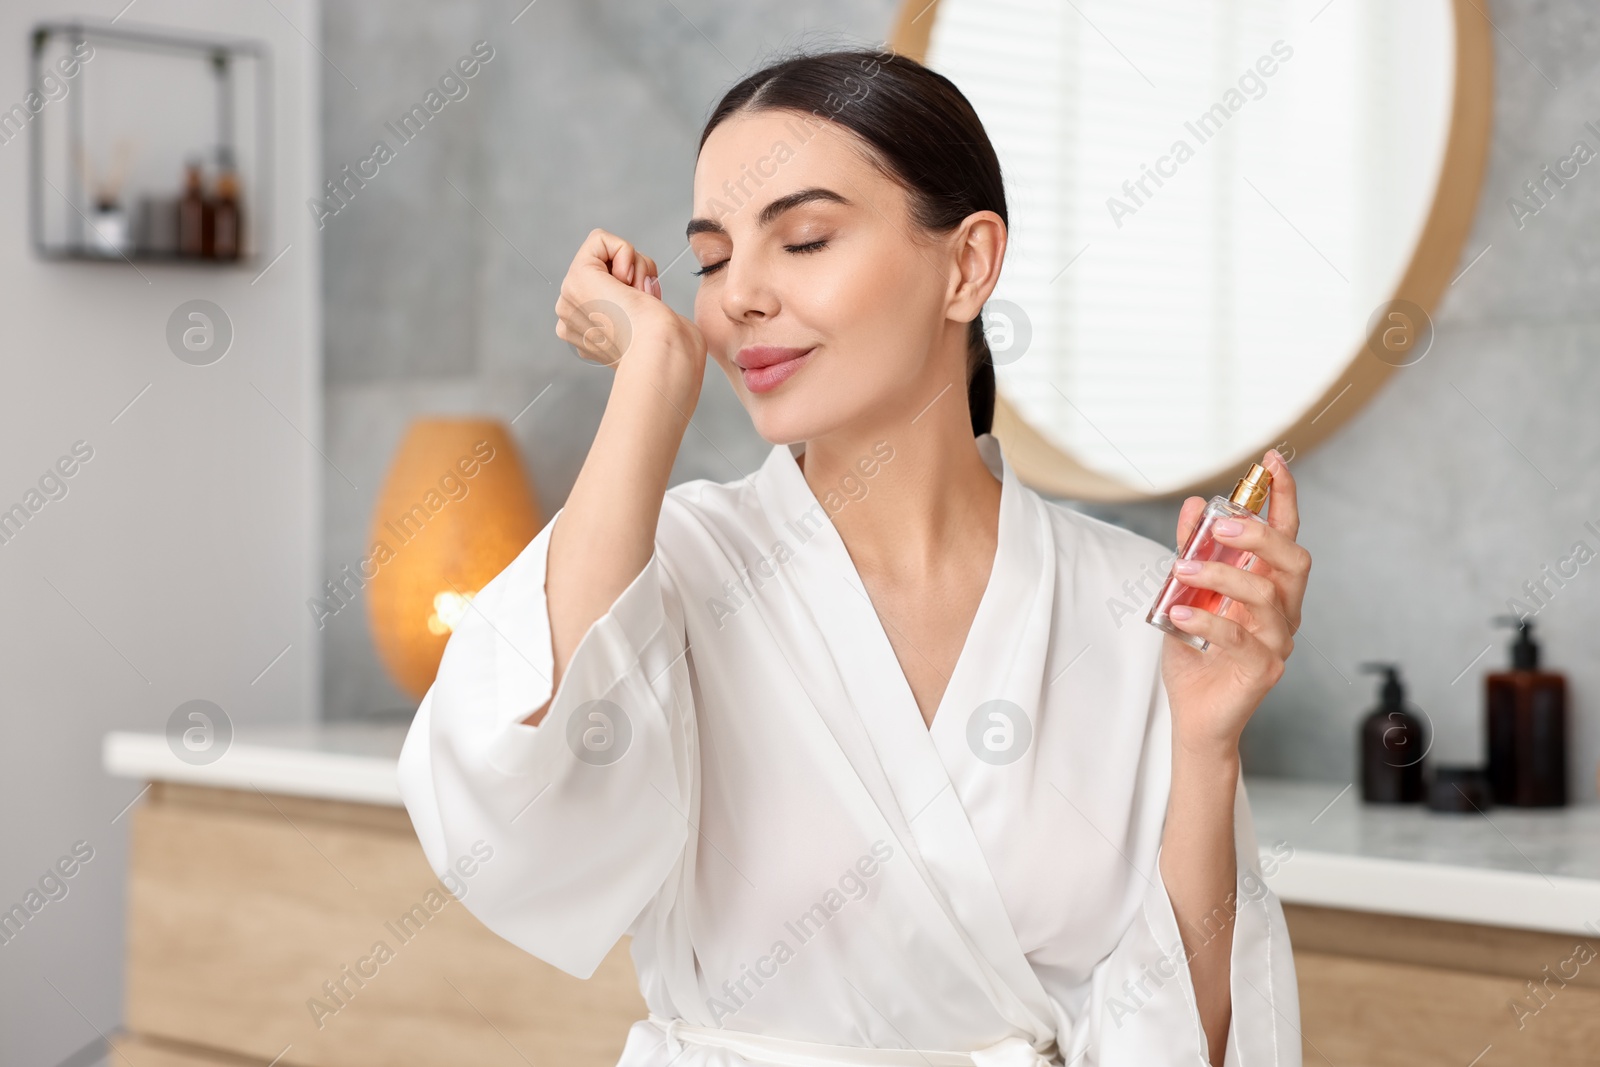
(1526, 711)
(1392, 745)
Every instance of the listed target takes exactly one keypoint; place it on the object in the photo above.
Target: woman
(854, 746)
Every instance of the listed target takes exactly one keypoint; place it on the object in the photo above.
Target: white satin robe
(735, 772)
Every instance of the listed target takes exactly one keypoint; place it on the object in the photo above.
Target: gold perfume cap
(1251, 492)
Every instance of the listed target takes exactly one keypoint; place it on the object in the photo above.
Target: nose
(748, 293)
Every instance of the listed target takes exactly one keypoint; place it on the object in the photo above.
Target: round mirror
(1228, 218)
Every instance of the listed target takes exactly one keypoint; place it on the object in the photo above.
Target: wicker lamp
(456, 508)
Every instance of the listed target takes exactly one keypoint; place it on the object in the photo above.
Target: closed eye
(813, 246)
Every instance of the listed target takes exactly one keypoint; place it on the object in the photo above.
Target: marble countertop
(1320, 845)
(1520, 867)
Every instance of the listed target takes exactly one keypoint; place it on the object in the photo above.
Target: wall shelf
(120, 119)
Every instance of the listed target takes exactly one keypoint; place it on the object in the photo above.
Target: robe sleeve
(1142, 1010)
(556, 836)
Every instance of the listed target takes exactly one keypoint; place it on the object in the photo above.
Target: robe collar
(923, 778)
(1024, 553)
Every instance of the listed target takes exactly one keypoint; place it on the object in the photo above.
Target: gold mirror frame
(1046, 467)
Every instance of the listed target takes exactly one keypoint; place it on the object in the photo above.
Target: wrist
(1202, 794)
(663, 373)
(1214, 758)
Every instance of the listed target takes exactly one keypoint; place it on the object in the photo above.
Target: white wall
(178, 563)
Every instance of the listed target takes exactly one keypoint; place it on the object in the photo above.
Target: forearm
(1199, 868)
(606, 533)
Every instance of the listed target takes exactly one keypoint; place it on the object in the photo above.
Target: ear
(979, 247)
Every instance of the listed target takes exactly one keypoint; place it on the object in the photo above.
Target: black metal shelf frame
(223, 55)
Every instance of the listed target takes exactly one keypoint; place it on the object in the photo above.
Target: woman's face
(839, 272)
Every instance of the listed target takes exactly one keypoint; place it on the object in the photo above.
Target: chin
(781, 416)
(779, 423)
(788, 413)
(803, 408)
(803, 414)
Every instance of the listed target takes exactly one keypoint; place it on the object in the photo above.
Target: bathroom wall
(443, 272)
(170, 569)
(1471, 471)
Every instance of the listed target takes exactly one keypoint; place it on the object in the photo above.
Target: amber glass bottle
(195, 216)
(1526, 710)
(227, 216)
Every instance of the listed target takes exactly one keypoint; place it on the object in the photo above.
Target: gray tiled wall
(442, 272)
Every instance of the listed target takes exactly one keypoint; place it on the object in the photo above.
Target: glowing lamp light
(448, 608)
(456, 507)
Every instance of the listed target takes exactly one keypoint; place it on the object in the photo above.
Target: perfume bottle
(1244, 502)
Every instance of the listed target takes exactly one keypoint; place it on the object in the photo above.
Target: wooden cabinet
(311, 933)
(274, 926)
(1390, 991)
(128, 1049)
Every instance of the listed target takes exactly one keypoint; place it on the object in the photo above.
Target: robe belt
(784, 1052)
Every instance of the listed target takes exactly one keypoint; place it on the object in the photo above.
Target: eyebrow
(771, 211)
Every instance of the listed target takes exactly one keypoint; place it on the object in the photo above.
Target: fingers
(1232, 639)
(622, 265)
(603, 250)
(646, 274)
(1188, 518)
(1283, 513)
(1272, 545)
(608, 252)
(643, 270)
(592, 334)
(590, 299)
(629, 267)
(1257, 593)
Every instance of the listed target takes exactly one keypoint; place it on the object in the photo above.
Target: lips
(755, 357)
(766, 367)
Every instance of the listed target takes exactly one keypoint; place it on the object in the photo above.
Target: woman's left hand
(1213, 693)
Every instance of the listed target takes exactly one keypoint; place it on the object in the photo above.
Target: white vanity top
(1320, 844)
(335, 761)
(1523, 867)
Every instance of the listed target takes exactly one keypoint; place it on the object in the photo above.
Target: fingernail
(1230, 528)
(1187, 566)
(1180, 613)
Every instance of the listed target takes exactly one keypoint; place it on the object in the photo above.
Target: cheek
(882, 307)
(850, 295)
(858, 302)
(713, 325)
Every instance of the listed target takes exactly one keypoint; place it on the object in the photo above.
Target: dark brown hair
(918, 129)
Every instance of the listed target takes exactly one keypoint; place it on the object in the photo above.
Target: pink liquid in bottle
(1243, 504)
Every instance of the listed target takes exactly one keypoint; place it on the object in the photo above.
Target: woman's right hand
(610, 309)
